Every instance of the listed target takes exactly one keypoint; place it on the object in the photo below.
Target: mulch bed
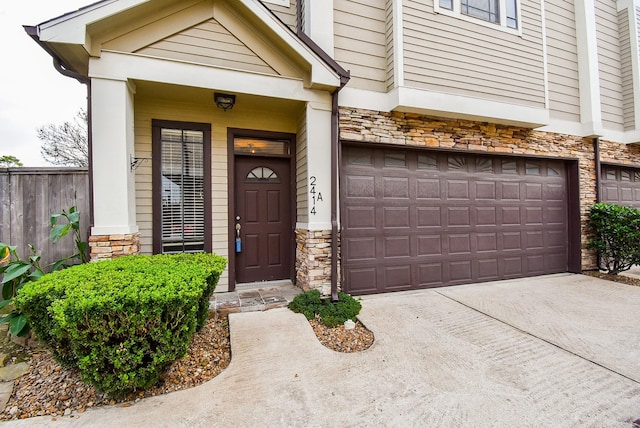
(617, 278)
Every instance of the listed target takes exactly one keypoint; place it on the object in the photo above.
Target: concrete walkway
(560, 350)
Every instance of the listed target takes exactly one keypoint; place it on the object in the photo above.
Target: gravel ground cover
(50, 389)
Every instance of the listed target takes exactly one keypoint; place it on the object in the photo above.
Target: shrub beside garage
(122, 322)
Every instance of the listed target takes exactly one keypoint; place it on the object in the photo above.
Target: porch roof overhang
(71, 38)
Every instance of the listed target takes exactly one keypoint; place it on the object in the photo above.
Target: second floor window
(501, 12)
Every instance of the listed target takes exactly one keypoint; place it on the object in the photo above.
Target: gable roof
(73, 38)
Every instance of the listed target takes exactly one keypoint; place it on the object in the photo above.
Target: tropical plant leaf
(15, 270)
(4, 303)
(54, 219)
(59, 231)
(17, 325)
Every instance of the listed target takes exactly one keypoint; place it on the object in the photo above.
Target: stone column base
(313, 260)
(113, 246)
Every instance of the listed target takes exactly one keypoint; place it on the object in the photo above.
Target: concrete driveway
(559, 350)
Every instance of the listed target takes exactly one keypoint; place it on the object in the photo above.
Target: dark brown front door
(263, 212)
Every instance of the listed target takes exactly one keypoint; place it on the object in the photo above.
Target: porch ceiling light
(224, 101)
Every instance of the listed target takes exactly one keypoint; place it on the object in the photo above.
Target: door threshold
(263, 284)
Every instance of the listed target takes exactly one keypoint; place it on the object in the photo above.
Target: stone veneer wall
(313, 260)
(113, 246)
(457, 134)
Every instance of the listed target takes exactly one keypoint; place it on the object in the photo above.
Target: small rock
(13, 410)
(13, 371)
(67, 411)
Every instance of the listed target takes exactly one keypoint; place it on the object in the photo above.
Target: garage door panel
(621, 185)
(460, 271)
(487, 242)
(360, 187)
(397, 277)
(395, 187)
(459, 244)
(361, 280)
(554, 215)
(511, 241)
(533, 191)
(486, 190)
(535, 264)
(553, 262)
(458, 216)
(360, 248)
(534, 240)
(626, 194)
(510, 191)
(488, 269)
(361, 217)
(554, 238)
(428, 217)
(430, 274)
(397, 246)
(458, 189)
(394, 217)
(438, 219)
(511, 216)
(533, 215)
(429, 245)
(486, 216)
(428, 188)
(512, 267)
(555, 192)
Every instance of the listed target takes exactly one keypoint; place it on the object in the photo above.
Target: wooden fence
(29, 196)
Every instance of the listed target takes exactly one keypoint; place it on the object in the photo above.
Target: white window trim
(285, 3)
(501, 26)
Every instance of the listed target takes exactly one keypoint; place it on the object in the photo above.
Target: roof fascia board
(71, 27)
(320, 70)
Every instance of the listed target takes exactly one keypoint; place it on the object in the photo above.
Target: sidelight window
(181, 182)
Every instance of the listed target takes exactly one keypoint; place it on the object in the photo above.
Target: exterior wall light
(224, 101)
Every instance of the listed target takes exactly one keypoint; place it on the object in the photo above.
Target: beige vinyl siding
(389, 42)
(208, 43)
(302, 202)
(361, 42)
(148, 108)
(626, 69)
(447, 54)
(285, 14)
(562, 57)
(609, 65)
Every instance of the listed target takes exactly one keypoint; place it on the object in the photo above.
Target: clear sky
(32, 92)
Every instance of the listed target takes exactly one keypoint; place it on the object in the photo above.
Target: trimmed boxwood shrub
(313, 305)
(122, 321)
(616, 236)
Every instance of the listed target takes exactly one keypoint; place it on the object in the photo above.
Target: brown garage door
(621, 185)
(417, 219)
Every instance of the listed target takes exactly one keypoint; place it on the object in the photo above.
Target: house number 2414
(315, 196)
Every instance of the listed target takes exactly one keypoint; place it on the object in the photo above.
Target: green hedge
(616, 236)
(122, 322)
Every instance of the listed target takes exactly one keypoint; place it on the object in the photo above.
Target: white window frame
(285, 3)
(502, 25)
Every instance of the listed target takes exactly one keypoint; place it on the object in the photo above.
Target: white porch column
(318, 23)
(319, 165)
(112, 143)
(588, 68)
(313, 255)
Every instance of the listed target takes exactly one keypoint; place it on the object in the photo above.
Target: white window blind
(182, 155)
